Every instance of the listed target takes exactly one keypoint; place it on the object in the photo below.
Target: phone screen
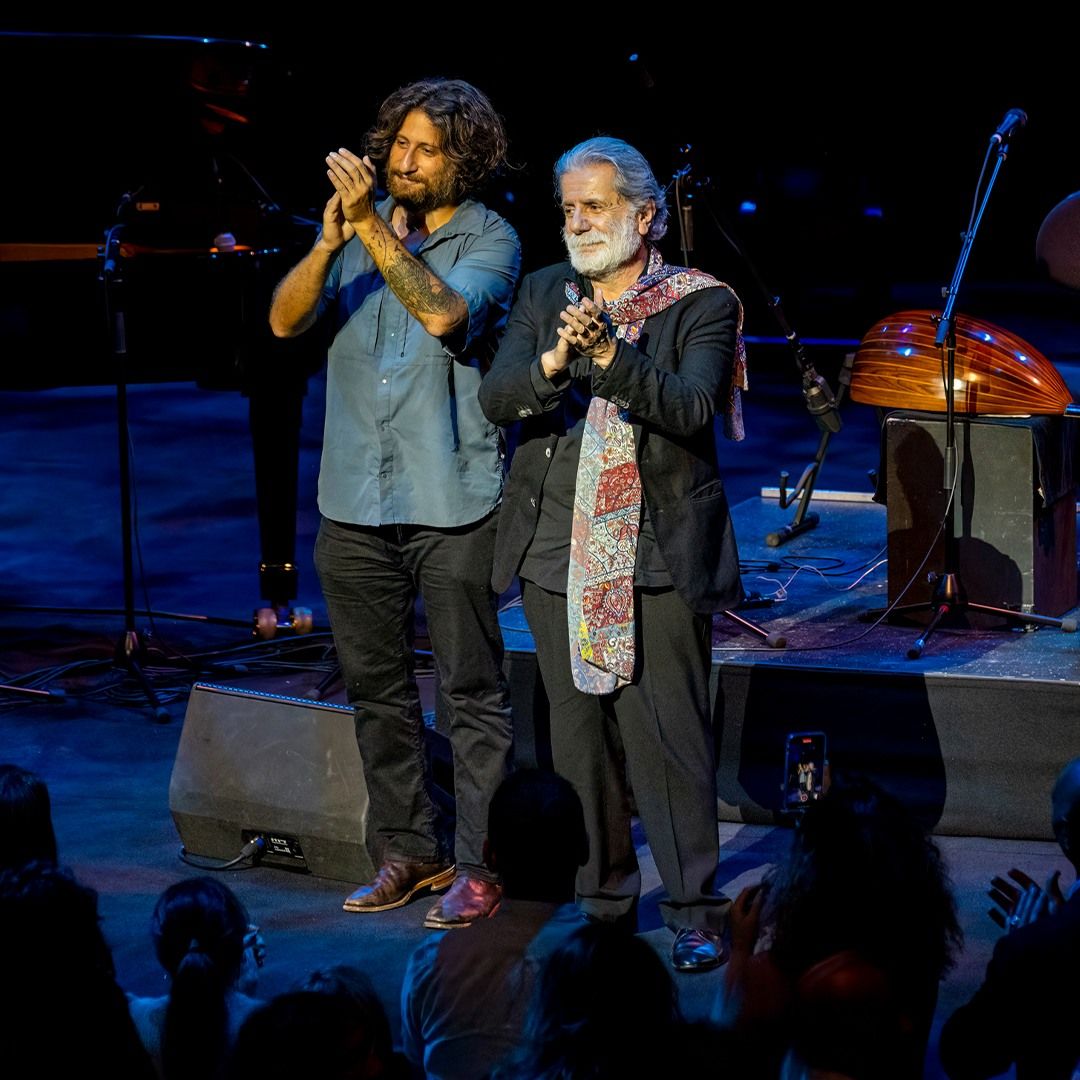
(804, 769)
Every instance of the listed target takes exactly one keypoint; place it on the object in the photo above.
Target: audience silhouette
(1025, 1011)
(309, 1033)
(61, 1010)
(465, 992)
(839, 953)
(26, 828)
(349, 981)
(199, 929)
(836, 960)
(605, 1007)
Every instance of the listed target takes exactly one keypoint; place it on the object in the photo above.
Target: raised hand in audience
(744, 918)
(1022, 901)
(254, 958)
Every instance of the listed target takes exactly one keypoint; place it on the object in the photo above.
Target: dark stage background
(859, 148)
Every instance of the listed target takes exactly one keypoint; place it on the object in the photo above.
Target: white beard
(597, 254)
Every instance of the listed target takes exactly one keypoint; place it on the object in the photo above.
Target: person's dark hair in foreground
(26, 828)
(863, 873)
(332, 1036)
(349, 981)
(198, 930)
(862, 926)
(61, 1010)
(536, 836)
(605, 1006)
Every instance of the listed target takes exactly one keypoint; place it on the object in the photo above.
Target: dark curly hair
(604, 1005)
(473, 136)
(864, 874)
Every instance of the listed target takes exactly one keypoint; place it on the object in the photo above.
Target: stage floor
(972, 731)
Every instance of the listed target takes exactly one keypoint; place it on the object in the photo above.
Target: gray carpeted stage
(972, 732)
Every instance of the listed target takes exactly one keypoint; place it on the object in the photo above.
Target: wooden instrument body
(898, 366)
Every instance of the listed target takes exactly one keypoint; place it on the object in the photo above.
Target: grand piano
(140, 239)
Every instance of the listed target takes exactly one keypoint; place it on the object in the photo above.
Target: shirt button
(547, 452)
(532, 502)
(384, 382)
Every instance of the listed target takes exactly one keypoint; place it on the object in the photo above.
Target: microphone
(820, 401)
(1014, 118)
(108, 251)
(687, 213)
(682, 179)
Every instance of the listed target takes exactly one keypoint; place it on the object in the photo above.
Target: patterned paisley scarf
(607, 496)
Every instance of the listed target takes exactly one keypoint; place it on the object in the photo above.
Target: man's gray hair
(634, 179)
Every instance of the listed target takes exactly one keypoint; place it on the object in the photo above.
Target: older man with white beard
(616, 522)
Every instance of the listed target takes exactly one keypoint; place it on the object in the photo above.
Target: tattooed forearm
(436, 306)
(416, 287)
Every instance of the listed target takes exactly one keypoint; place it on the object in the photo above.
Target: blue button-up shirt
(405, 441)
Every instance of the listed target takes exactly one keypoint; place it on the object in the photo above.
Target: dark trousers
(370, 578)
(657, 730)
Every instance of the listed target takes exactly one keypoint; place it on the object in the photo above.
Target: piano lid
(167, 136)
(168, 126)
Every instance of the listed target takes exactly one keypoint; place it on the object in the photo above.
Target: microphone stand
(824, 407)
(949, 598)
(685, 213)
(822, 404)
(130, 649)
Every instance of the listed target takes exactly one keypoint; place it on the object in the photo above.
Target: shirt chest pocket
(391, 333)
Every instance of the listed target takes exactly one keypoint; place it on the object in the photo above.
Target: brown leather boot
(397, 882)
(470, 898)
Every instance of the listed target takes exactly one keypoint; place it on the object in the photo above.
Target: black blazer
(673, 382)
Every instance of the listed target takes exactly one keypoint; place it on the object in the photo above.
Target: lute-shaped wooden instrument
(898, 366)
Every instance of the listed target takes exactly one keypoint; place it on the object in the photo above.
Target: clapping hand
(354, 180)
(586, 329)
(1021, 900)
(353, 199)
(745, 918)
(254, 957)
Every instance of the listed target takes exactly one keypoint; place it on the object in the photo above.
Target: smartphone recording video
(804, 770)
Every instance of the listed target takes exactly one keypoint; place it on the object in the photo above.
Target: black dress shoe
(698, 949)
(397, 883)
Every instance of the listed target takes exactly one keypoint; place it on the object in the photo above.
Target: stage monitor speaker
(1015, 512)
(285, 768)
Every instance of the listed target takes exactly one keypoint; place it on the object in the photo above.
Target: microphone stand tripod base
(795, 528)
(948, 596)
(131, 655)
